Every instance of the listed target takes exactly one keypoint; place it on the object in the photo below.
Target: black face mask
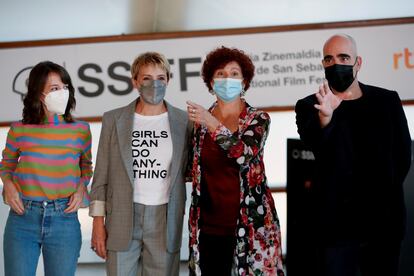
(340, 76)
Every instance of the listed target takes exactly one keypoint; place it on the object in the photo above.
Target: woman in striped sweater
(45, 169)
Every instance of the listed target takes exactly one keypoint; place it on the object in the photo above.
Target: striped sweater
(48, 161)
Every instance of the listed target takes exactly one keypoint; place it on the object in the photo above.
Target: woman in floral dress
(234, 227)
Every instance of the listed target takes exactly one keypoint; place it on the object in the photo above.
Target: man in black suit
(362, 146)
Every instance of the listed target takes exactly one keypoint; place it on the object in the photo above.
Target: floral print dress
(258, 239)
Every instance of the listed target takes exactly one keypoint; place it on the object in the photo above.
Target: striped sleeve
(10, 155)
(85, 162)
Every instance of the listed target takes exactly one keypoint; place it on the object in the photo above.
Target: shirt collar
(54, 119)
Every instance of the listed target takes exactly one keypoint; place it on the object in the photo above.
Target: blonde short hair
(147, 58)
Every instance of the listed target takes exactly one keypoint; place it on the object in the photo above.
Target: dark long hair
(33, 111)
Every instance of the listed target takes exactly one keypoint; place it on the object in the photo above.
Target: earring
(212, 92)
(243, 92)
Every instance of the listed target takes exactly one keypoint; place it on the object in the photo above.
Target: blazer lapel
(124, 126)
(177, 133)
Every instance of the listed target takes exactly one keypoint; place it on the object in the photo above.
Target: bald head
(341, 40)
(340, 50)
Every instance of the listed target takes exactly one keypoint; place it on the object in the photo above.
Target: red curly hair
(219, 57)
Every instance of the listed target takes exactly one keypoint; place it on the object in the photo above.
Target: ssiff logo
(403, 58)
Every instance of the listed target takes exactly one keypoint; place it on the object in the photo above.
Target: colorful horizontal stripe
(49, 160)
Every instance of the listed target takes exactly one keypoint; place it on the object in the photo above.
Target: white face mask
(57, 101)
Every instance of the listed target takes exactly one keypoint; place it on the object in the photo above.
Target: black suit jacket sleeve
(401, 141)
(308, 124)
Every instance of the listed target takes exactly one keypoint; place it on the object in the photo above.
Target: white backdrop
(287, 67)
(387, 62)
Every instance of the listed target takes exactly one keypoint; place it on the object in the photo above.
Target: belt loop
(56, 204)
(28, 204)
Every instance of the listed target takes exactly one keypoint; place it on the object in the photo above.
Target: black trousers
(373, 258)
(216, 254)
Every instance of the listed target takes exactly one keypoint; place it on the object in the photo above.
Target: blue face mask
(227, 89)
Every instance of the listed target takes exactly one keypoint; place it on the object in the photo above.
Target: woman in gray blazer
(138, 190)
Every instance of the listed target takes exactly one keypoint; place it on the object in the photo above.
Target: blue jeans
(43, 226)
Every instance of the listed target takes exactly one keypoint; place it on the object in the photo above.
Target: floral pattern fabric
(258, 247)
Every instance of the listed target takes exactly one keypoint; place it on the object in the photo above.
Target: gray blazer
(113, 183)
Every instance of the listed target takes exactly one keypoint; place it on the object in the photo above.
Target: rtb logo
(403, 60)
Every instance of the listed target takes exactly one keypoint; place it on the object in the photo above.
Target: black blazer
(363, 156)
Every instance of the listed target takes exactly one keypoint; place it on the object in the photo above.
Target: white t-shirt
(151, 154)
